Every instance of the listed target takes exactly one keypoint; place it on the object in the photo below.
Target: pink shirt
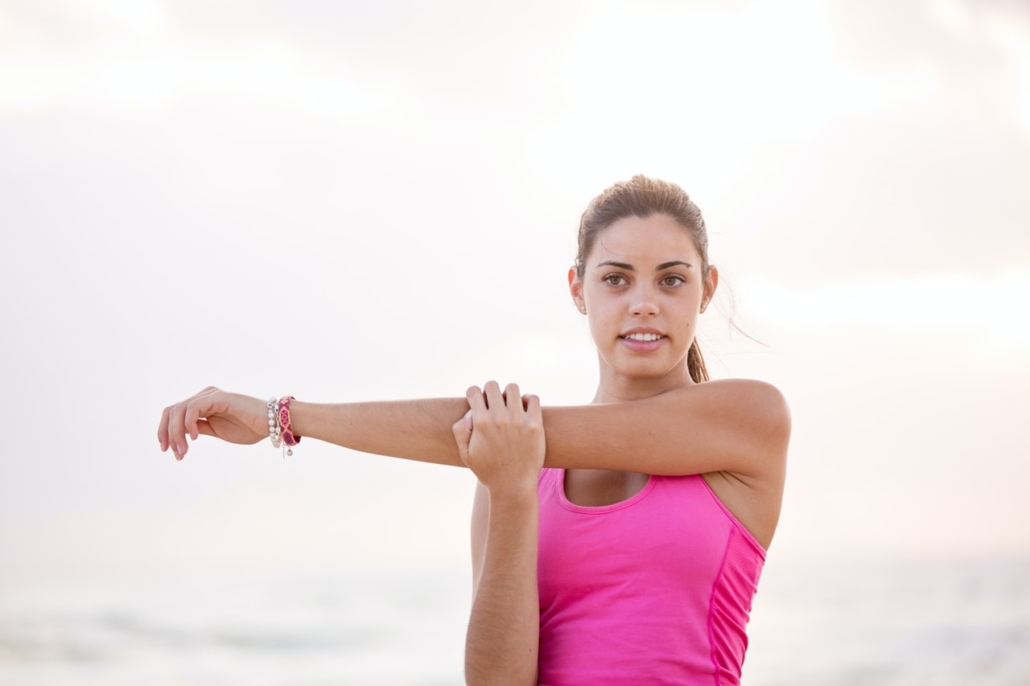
(655, 589)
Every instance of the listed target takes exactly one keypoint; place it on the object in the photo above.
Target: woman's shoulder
(748, 393)
(738, 385)
(758, 405)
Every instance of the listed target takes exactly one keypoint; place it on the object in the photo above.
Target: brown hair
(642, 197)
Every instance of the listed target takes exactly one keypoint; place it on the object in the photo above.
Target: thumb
(204, 428)
(463, 427)
(463, 434)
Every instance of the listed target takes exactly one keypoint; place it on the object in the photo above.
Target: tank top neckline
(601, 509)
(652, 480)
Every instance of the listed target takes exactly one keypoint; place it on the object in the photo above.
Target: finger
(465, 423)
(476, 401)
(513, 398)
(494, 399)
(532, 405)
(204, 428)
(170, 432)
(190, 419)
(177, 430)
(463, 432)
(162, 431)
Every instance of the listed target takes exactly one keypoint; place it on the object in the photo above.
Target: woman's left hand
(501, 438)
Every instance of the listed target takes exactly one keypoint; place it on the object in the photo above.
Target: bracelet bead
(274, 430)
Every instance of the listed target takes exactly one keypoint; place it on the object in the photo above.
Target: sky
(357, 201)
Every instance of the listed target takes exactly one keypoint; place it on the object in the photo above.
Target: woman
(617, 542)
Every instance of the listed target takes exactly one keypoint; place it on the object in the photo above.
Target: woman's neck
(614, 387)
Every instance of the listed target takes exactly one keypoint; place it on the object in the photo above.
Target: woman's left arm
(735, 426)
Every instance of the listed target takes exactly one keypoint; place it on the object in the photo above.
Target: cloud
(987, 308)
(137, 63)
(1000, 28)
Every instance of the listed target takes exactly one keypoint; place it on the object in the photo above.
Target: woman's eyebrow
(612, 263)
(629, 267)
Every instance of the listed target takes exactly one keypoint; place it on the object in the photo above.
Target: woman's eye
(615, 279)
(673, 280)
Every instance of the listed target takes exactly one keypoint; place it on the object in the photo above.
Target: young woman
(612, 543)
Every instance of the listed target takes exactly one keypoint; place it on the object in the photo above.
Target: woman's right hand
(229, 416)
(501, 438)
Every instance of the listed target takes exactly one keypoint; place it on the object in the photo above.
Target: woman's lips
(642, 342)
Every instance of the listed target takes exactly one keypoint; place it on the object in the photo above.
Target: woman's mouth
(643, 337)
(642, 342)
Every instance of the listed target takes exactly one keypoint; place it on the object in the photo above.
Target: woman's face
(642, 290)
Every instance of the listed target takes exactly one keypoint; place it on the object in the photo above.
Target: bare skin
(505, 450)
(735, 424)
(643, 288)
(645, 279)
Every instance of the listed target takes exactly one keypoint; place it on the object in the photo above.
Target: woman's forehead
(656, 239)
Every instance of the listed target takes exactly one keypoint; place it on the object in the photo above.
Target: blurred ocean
(914, 623)
(836, 624)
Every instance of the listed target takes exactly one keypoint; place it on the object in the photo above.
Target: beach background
(353, 201)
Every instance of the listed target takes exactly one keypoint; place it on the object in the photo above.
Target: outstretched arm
(412, 429)
(736, 426)
(502, 441)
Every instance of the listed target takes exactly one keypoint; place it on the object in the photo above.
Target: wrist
(514, 494)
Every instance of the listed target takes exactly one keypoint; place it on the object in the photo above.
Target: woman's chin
(646, 368)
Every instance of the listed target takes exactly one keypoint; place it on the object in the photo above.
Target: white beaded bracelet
(273, 422)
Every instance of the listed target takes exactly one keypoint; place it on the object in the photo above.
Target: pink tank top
(655, 589)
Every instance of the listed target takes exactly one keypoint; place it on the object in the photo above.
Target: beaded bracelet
(273, 423)
(285, 429)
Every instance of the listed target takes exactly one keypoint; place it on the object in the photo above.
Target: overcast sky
(347, 201)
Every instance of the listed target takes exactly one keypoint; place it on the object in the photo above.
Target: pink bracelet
(286, 429)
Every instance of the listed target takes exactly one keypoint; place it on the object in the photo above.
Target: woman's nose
(644, 302)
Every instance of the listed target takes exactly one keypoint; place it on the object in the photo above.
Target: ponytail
(696, 363)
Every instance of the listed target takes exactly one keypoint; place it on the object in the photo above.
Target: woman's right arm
(503, 637)
(503, 444)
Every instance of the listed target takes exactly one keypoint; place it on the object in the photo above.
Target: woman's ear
(576, 290)
(711, 283)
